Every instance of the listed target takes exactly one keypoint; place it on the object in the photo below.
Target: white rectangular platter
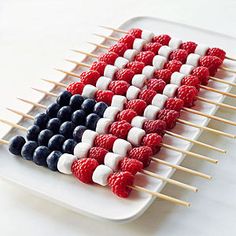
(99, 202)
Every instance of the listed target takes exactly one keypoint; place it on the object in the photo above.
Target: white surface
(26, 41)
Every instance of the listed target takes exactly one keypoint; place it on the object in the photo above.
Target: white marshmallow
(81, 150)
(103, 83)
(159, 100)
(159, 62)
(135, 136)
(103, 125)
(201, 49)
(132, 92)
(118, 101)
(101, 174)
(89, 136)
(151, 112)
(170, 90)
(111, 113)
(193, 59)
(138, 44)
(110, 71)
(139, 80)
(175, 43)
(147, 35)
(89, 91)
(65, 162)
(121, 147)
(130, 54)
(121, 62)
(165, 51)
(176, 78)
(138, 121)
(186, 69)
(112, 160)
(148, 71)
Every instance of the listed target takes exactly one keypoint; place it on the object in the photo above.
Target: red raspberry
(174, 104)
(153, 47)
(108, 57)
(120, 129)
(99, 66)
(120, 183)
(179, 55)
(131, 165)
(147, 95)
(127, 115)
(141, 153)
(155, 126)
(187, 94)
(169, 116)
(145, 57)
(125, 74)
(202, 73)
(152, 140)
(173, 65)
(156, 84)
(105, 141)
(163, 39)
(83, 169)
(97, 153)
(216, 52)
(163, 74)
(189, 46)
(89, 77)
(104, 96)
(118, 87)
(136, 32)
(118, 48)
(136, 66)
(191, 80)
(75, 88)
(137, 105)
(128, 39)
(211, 62)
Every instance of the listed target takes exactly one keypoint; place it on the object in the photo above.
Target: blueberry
(63, 98)
(41, 120)
(28, 149)
(78, 132)
(100, 108)
(56, 142)
(40, 155)
(64, 113)
(54, 125)
(88, 105)
(33, 132)
(78, 117)
(15, 145)
(52, 160)
(76, 101)
(67, 129)
(52, 110)
(44, 137)
(91, 121)
(68, 146)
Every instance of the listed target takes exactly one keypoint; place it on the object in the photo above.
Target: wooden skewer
(86, 53)
(185, 109)
(155, 194)
(182, 168)
(167, 132)
(99, 45)
(192, 154)
(222, 81)
(45, 92)
(179, 120)
(107, 37)
(227, 69)
(13, 124)
(206, 128)
(160, 195)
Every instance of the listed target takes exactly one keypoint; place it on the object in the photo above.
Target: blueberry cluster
(58, 130)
